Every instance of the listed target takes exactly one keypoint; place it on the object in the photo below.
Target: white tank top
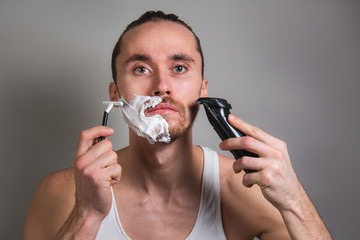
(208, 223)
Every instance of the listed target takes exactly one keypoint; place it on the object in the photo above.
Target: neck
(164, 167)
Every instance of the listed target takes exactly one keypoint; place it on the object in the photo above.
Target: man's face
(160, 58)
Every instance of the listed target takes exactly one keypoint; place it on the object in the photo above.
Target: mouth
(161, 109)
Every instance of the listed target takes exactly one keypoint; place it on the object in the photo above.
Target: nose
(162, 85)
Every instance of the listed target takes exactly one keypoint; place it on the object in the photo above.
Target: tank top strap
(209, 223)
(111, 228)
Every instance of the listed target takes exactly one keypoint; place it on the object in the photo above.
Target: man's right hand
(55, 213)
(96, 170)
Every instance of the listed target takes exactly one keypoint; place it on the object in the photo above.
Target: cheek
(187, 92)
(129, 90)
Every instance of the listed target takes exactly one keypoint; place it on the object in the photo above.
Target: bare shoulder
(51, 205)
(245, 211)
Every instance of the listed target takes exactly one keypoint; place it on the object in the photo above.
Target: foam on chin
(154, 128)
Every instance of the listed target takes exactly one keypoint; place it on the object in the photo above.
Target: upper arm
(245, 210)
(50, 206)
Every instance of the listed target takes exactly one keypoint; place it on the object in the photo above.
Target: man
(171, 190)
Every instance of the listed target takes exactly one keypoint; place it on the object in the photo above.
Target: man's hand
(277, 180)
(96, 170)
(274, 175)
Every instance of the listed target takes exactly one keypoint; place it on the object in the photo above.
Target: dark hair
(153, 16)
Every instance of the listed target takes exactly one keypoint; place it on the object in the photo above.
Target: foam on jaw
(154, 128)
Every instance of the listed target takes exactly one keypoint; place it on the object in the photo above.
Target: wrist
(295, 203)
(301, 218)
(80, 225)
(88, 217)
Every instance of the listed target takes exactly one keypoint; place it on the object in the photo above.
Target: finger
(248, 163)
(250, 130)
(105, 160)
(87, 137)
(248, 143)
(96, 156)
(251, 179)
(114, 173)
(99, 149)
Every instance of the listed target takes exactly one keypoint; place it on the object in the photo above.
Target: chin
(179, 130)
(180, 126)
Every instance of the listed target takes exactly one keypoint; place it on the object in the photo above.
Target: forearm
(302, 220)
(79, 226)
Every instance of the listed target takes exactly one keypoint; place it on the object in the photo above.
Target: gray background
(289, 67)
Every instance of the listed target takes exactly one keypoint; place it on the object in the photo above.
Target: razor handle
(104, 123)
(217, 110)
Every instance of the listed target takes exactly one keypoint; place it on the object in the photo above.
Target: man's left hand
(274, 172)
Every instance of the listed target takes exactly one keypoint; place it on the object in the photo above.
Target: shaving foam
(154, 128)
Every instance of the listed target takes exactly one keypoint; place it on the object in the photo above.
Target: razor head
(214, 102)
(217, 111)
(111, 104)
(119, 103)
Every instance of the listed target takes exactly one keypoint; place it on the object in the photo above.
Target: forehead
(159, 38)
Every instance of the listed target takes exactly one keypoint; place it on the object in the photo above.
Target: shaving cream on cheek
(154, 128)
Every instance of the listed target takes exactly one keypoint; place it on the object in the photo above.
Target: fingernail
(232, 117)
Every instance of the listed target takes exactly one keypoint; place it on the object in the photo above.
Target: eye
(180, 69)
(141, 70)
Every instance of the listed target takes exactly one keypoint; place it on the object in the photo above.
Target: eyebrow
(182, 57)
(137, 57)
(174, 57)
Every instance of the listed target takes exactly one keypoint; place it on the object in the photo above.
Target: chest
(146, 218)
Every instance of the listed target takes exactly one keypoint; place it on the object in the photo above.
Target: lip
(160, 109)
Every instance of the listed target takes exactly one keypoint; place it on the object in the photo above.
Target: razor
(109, 106)
(217, 111)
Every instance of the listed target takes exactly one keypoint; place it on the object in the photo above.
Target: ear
(113, 92)
(204, 88)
